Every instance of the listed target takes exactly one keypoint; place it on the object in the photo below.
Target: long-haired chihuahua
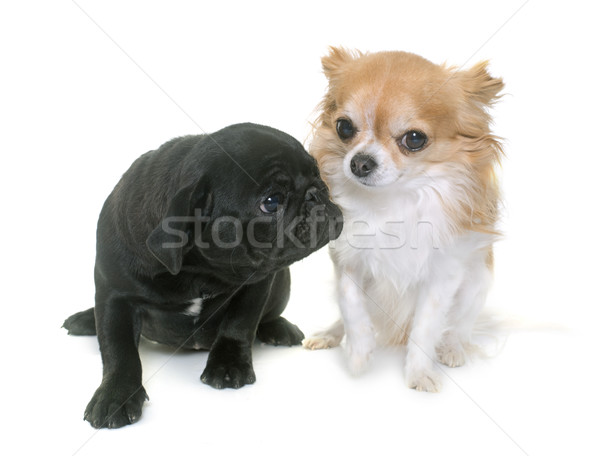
(406, 149)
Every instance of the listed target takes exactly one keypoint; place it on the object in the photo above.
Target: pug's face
(262, 224)
(260, 205)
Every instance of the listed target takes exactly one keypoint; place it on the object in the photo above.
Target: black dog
(193, 249)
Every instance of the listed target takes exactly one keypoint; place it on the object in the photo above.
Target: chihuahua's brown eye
(345, 129)
(414, 140)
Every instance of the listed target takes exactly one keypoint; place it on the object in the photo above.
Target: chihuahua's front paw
(359, 350)
(329, 338)
(320, 342)
(115, 405)
(421, 374)
(426, 380)
(451, 354)
(229, 365)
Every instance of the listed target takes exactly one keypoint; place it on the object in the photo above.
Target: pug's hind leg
(329, 338)
(81, 323)
(273, 328)
(279, 332)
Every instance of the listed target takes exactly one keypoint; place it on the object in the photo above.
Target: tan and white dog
(406, 150)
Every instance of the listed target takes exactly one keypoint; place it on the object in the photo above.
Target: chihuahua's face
(391, 117)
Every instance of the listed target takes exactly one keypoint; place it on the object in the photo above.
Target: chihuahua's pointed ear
(170, 240)
(479, 85)
(336, 59)
(479, 92)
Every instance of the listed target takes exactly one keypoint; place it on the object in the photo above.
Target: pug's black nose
(312, 194)
(362, 164)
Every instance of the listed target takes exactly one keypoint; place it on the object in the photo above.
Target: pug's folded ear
(170, 240)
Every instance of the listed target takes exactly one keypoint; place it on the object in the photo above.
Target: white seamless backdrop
(88, 86)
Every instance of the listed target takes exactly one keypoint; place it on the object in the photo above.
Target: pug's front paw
(229, 365)
(229, 375)
(115, 405)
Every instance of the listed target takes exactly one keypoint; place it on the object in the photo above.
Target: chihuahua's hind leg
(456, 342)
(329, 338)
(81, 323)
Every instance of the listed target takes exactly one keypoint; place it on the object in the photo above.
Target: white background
(82, 96)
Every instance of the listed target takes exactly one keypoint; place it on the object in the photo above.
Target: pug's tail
(81, 323)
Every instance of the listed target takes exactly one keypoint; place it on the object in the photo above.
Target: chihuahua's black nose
(362, 164)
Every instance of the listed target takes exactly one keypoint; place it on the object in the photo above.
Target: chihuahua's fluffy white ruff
(406, 149)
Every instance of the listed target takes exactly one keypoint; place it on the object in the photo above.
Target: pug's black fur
(193, 249)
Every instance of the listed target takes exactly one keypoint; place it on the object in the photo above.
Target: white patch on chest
(391, 235)
(194, 308)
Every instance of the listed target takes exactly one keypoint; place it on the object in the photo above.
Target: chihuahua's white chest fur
(390, 234)
(405, 278)
(406, 150)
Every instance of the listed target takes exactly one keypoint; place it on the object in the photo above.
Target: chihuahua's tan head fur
(395, 122)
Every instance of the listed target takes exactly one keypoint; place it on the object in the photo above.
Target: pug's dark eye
(271, 203)
(345, 129)
(414, 140)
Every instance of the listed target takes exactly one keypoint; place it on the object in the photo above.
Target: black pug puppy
(193, 249)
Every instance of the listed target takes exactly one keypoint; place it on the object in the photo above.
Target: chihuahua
(406, 150)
